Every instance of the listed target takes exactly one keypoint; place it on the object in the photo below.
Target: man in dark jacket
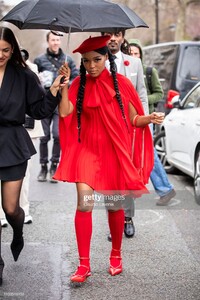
(48, 66)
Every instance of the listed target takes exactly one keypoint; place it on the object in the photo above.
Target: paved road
(161, 262)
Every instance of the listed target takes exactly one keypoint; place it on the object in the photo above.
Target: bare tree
(181, 28)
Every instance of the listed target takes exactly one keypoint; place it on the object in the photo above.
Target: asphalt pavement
(161, 262)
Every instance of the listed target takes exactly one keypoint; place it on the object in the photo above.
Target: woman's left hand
(157, 117)
(58, 83)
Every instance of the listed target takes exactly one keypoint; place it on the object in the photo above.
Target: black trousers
(50, 127)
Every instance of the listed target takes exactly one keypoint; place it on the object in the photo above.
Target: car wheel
(197, 177)
(160, 146)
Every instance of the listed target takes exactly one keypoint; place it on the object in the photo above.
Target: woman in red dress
(103, 148)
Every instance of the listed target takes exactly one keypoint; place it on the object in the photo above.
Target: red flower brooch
(126, 63)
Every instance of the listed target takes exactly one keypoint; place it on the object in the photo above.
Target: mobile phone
(62, 79)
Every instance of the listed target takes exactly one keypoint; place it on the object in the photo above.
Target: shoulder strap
(148, 76)
(56, 63)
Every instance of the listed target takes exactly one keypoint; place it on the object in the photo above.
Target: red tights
(83, 227)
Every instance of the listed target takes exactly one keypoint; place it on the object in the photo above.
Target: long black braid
(80, 97)
(118, 96)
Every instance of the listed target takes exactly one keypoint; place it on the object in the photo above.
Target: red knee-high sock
(83, 227)
(116, 224)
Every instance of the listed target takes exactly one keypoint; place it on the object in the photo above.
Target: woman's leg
(10, 191)
(1, 260)
(83, 228)
(116, 225)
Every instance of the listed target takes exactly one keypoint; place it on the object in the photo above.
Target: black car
(178, 65)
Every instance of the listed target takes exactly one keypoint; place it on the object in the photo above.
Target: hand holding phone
(62, 79)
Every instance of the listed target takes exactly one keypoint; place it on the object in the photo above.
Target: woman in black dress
(20, 94)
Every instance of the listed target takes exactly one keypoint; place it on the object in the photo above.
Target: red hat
(92, 44)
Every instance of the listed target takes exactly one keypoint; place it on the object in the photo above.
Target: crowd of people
(106, 101)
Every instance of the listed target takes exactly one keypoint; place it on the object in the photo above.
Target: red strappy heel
(115, 264)
(81, 273)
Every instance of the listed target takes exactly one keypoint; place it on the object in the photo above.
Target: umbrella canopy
(73, 15)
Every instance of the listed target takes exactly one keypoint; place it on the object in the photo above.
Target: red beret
(92, 44)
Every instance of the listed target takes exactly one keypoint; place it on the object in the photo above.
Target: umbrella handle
(68, 40)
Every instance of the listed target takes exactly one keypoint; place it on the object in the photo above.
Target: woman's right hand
(157, 117)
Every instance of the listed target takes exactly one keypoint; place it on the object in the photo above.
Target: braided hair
(116, 87)
(80, 97)
(81, 90)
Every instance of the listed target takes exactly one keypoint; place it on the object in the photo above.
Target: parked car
(178, 65)
(178, 144)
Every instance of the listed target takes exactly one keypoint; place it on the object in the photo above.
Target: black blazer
(20, 93)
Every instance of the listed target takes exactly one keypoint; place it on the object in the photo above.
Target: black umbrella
(73, 15)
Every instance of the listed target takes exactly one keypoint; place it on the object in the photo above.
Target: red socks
(116, 224)
(83, 227)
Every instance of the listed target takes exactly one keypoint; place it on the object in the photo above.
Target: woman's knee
(85, 197)
(11, 211)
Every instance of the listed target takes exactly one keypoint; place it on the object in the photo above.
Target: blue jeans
(159, 180)
(159, 177)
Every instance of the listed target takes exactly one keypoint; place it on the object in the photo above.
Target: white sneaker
(28, 220)
(4, 223)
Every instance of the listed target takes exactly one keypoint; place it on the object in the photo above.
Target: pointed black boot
(1, 270)
(17, 222)
(16, 247)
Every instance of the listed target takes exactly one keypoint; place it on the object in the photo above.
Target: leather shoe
(129, 228)
(109, 237)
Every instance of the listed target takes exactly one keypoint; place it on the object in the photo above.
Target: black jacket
(21, 93)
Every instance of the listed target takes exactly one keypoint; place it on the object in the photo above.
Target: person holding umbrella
(103, 131)
(20, 93)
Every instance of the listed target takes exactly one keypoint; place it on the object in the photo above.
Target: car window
(193, 99)
(190, 68)
(163, 59)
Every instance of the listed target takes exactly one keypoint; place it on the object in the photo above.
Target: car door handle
(198, 123)
(170, 119)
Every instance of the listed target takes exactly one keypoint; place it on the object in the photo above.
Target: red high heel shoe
(115, 264)
(81, 273)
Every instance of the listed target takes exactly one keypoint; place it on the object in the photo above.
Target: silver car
(178, 144)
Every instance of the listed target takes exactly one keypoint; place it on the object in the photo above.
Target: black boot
(17, 223)
(1, 270)
(16, 247)
(42, 177)
(1, 262)
(52, 171)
